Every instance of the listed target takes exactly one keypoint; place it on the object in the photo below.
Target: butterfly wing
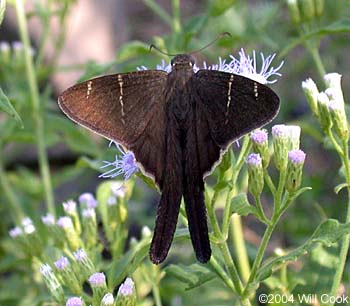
(233, 105)
(127, 108)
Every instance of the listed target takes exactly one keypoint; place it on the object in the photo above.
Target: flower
(256, 176)
(311, 93)
(253, 159)
(74, 301)
(127, 288)
(88, 199)
(45, 270)
(65, 222)
(15, 232)
(258, 137)
(29, 229)
(52, 283)
(26, 221)
(80, 255)
(69, 207)
(108, 300)
(297, 157)
(245, 66)
(126, 164)
(88, 213)
(48, 219)
(97, 279)
(118, 189)
(61, 263)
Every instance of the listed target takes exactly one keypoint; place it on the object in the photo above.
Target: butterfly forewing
(127, 108)
(233, 105)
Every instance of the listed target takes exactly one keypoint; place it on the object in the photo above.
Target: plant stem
(156, 295)
(36, 110)
(346, 239)
(176, 16)
(16, 210)
(222, 274)
(159, 11)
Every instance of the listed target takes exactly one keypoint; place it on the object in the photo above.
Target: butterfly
(178, 125)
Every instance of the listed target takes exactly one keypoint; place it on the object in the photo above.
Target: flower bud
(52, 283)
(293, 134)
(319, 7)
(323, 111)
(256, 176)
(69, 278)
(339, 120)
(280, 142)
(126, 294)
(107, 300)
(311, 92)
(90, 227)
(295, 167)
(84, 264)
(70, 208)
(259, 140)
(294, 12)
(99, 287)
(88, 200)
(307, 9)
(71, 235)
(75, 301)
(15, 232)
(146, 232)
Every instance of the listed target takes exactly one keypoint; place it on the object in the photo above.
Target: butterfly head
(183, 61)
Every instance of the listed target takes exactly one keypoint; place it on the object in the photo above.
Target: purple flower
(88, 199)
(62, 263)
(253, 160)
(74, 301)
(15, 232)
(45, 270)
(48, 219)
(118, 189)
(279, 130)
(65, 222)
(97, 279)
(88, 213)
(258, 137)
(69, 207)
(26, 221)
(297, 157)
(126, 288)
(111, 201)
(126, 164)
(80, 255)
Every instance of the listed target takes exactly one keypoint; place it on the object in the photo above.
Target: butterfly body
(177, 125)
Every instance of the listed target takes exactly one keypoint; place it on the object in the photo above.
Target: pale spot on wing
(89, 88)
(120, 82)
(228, 98)
(256, 90)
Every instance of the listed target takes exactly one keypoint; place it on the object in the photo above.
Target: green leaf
(131, 50)
(219, 7)
(193, 276)
(340, 26)
(240, 205)
(2, 10)
(94, 69)
(340, 187)
(327, 233)
(7, 107)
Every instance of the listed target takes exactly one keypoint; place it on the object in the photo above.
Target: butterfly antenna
(160, 51)
(227, 34)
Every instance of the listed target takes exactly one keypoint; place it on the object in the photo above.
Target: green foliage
(32, 131)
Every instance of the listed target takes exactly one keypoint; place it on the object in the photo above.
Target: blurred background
(86, 38)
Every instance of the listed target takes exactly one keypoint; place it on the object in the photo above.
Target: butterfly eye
(172, 63)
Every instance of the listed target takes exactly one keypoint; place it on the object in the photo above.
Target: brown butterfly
(177, 124)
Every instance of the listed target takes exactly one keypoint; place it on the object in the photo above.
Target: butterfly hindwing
(127, 108)
(233, 105)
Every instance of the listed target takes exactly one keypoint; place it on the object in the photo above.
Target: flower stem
(222, 274)
(159, 11)
(16, 209)
(156, 295)
(176, 16)
(346, 239)
(36, 110)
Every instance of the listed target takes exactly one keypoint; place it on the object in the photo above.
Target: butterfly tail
(169, 205)
(196, 215)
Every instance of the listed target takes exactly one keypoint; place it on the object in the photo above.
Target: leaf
(219, 7)
(133, 258)
(2, 10)
(131, 50)
(94, 69)
(240, 205)
(7, 107)
(339, 26)
(194, 275)
(327, 233)
(340, 187)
